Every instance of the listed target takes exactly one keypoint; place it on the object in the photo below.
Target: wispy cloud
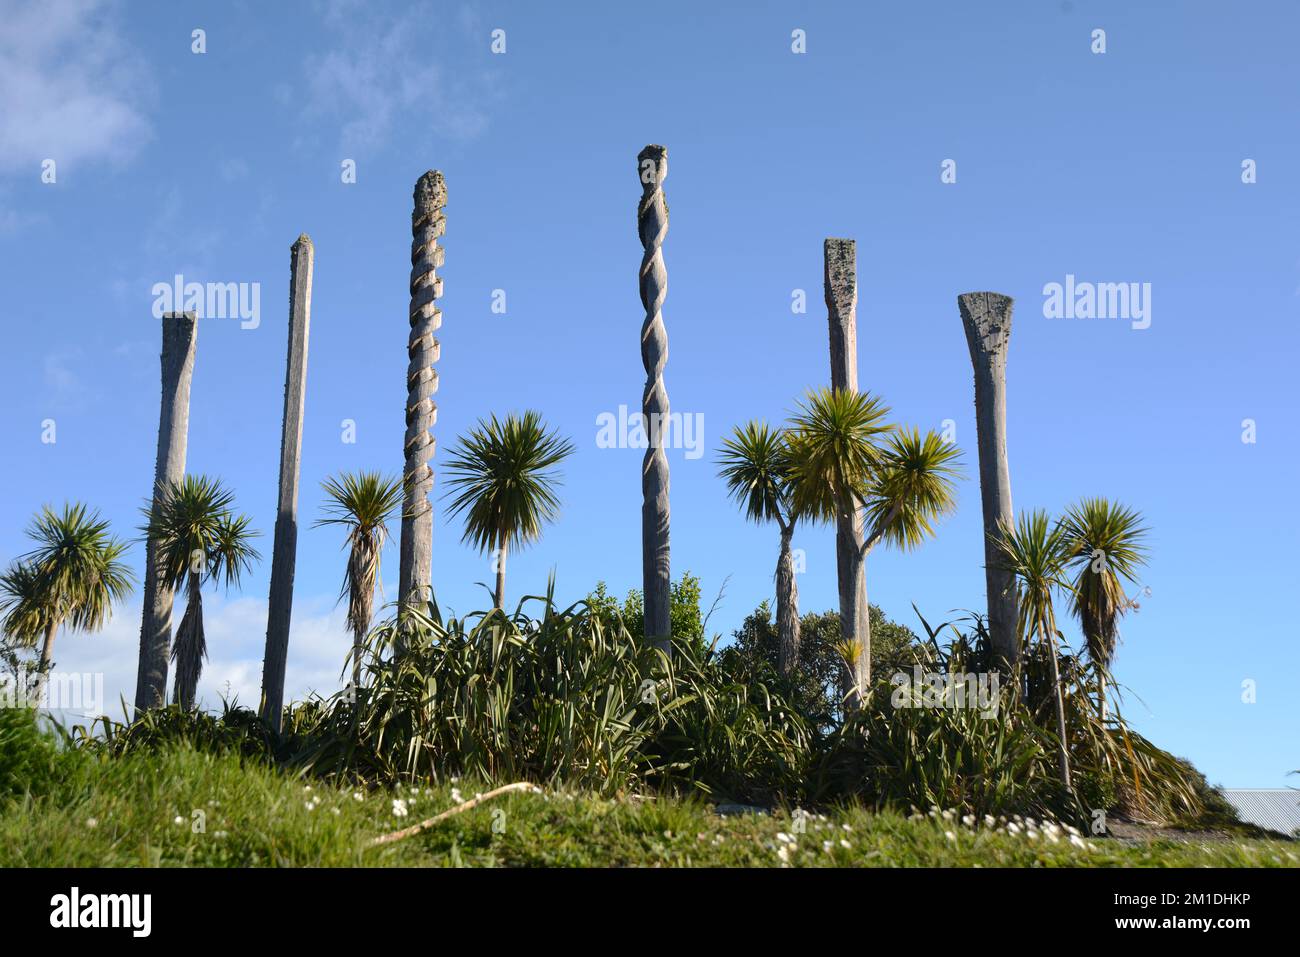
(72, 89)
(404, 68)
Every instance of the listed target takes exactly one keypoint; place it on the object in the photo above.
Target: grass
(146, 809)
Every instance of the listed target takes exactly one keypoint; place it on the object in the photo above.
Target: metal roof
(1277, 810)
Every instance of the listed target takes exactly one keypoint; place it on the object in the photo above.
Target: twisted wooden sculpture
(427, 224)
(652, 226)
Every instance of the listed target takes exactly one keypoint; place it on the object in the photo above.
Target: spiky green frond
(1038, 552)
(502, 478)
(75, 574)
(835, 450)
(362, 503)
(25, 608)
(915, 486)
(1108, 540)
(197, 531)
(755, 464)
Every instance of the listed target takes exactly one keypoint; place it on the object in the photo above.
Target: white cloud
(72, 89)
(236, 635)
(392, 69)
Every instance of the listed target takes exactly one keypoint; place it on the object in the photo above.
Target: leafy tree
(198, 538)
(815, 686)
(1038, 552)
(73, 576)
(503, 480)
(687, 620)
(755, 462)
(1107, 541)
(361, 503)
(849, 464)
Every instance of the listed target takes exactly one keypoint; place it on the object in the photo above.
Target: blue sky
(1117, 167)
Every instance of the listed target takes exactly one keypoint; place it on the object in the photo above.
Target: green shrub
(32, 759)
(575, 698)
(236, 730)
(569, 698)
(956, 759)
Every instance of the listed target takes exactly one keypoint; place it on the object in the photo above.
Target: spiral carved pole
(427, 224)
(652, 225)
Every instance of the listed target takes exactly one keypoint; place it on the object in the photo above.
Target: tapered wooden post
(422, 349)
(986, 317)
(302, 256)
(841, 285)
(179, 335)
(652, 226)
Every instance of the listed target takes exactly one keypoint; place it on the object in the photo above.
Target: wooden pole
(179, 336)
(652, 226)
(986, 317)
(302, 255)
(840, 257)
(422, 349)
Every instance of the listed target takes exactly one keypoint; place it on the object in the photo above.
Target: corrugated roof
(1277, 810)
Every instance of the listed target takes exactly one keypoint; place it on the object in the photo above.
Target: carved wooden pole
(652, 226)
(987, 319)
(179, 335)
(427, 225)
(302, 256)
(841, 282)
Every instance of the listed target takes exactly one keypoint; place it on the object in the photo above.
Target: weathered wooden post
(179, 335)
(841, 286)
(986, 317)
(422, 349)
(652, 226)
(302, 255)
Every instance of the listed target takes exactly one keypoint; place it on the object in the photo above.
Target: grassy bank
(185, 808)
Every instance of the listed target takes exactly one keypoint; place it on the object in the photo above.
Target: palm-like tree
(847, 459)
(755, 462)
(1108, 541)
(73, 576)
(361, 503)
(1038, 552)
(198, 539)
(503, 479)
